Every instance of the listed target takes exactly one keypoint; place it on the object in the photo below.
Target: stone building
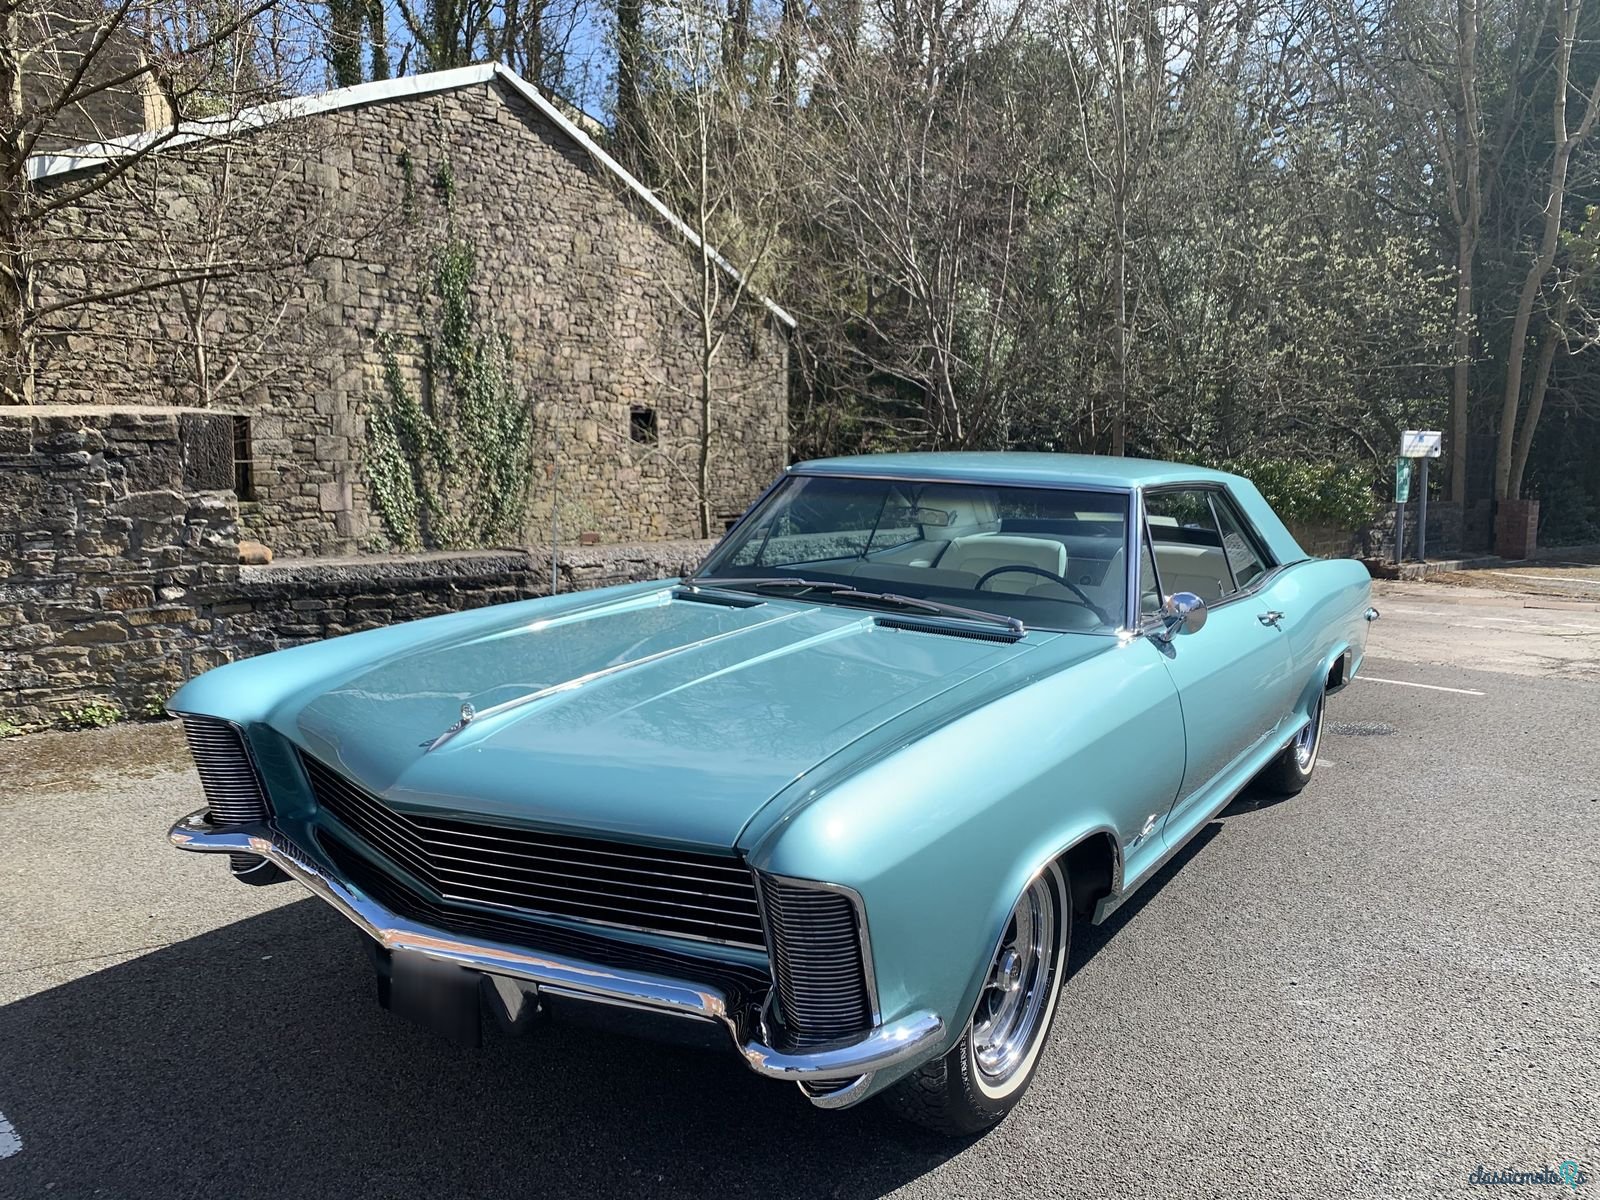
(339, 207)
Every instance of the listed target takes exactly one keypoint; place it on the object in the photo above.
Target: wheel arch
(1091, 862)
(1334, 670)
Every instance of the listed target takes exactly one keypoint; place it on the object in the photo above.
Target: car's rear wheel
(981, 1079)
(1291, 770)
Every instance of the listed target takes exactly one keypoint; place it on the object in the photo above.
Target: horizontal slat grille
(232, 787)
(681, 893)
(816, 962)
(746, 984)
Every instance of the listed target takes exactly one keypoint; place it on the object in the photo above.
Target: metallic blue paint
(933, 774)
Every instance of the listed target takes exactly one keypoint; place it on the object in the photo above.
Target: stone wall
(109, 552)
(119, 571)
(1454, 530)
(582, 278)
(297, 601)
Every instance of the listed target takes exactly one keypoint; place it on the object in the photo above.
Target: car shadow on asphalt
(1088, 940)
(254, 1061)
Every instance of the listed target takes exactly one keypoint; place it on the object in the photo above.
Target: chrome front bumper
(885, 1046)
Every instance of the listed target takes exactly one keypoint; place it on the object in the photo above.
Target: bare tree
(1567, 137)
(532, 37)
(913, 174)
(85, 72)
(1570, 328)
(711, 151)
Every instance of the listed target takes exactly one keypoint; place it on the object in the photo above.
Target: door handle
(1271, 617)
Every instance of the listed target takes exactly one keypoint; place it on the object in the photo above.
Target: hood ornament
(467, 714)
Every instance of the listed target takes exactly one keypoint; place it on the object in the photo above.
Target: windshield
(1053, 558)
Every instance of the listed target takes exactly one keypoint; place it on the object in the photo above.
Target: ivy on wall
(449, 462)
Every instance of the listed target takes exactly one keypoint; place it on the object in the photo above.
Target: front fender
(941, 836)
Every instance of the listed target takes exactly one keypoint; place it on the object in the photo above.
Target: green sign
(1402, 480)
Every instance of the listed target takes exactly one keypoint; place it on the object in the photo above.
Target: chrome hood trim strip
(883, 1046)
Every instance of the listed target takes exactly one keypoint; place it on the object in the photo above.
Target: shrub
(1304, 492)
(94, 715)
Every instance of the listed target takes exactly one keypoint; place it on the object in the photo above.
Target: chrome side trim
(883, 1046)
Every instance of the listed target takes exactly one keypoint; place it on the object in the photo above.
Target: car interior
(1200, 544)
(974, 546)
(1054, 558)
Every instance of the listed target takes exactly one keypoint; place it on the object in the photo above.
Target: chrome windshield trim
(882, 1046)
(1108, 489)
(1133, 540)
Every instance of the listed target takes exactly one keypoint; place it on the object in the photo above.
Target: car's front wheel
(981, 1079)
(1291, 770)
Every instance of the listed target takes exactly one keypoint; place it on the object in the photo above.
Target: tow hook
(1372, 614)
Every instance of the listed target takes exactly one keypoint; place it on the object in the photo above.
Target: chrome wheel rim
(1306, 741)
(1015, 999)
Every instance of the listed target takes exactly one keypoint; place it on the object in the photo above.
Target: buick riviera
(836, 800)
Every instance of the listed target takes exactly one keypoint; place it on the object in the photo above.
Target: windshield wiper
(757, 582)
(845, 591)
(933, 606)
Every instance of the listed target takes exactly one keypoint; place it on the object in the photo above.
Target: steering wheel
(1077, 592)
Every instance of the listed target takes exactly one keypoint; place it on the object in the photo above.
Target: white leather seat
(980, 553)
(1198, 569)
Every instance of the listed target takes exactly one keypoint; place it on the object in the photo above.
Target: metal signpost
(1423, 444)
(1402, 493)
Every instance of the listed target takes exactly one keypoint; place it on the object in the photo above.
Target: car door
(1234, 677)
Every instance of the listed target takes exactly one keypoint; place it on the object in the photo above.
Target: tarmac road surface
(1375, 988)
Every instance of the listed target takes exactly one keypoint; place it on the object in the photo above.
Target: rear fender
(1325, 601)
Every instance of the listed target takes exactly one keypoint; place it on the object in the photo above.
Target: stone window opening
(244, 481)
(642, 426)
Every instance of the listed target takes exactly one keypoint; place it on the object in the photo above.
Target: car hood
(649, 717)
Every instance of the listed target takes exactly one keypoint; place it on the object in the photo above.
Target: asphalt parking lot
(1372, 989)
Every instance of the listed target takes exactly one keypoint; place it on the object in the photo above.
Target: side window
(1188, 544)
(1244, 557)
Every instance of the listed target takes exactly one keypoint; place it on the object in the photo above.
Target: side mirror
(1184, 612)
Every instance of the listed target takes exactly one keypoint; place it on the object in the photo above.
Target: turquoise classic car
(836, 800)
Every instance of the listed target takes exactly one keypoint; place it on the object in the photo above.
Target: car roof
(994, 466)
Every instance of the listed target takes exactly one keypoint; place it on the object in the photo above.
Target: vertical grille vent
(232, 787)
(817, 965)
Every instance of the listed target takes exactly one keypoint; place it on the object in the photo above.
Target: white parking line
(1432, 687)
(10, 1143)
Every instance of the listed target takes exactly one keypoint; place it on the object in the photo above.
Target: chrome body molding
(839, 1097)
(883, 1046)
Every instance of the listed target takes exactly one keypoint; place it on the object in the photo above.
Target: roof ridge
(93, 155)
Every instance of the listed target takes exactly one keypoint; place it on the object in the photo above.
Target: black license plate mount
(438, 996)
